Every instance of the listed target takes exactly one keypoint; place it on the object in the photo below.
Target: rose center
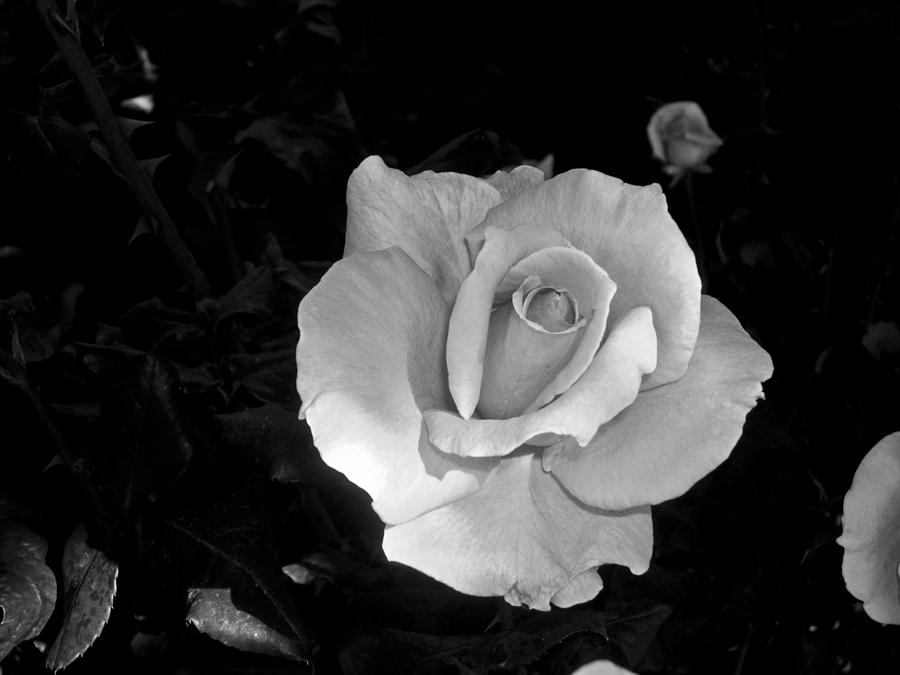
(552, 309)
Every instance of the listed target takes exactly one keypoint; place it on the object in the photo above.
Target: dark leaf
(153, 322)
(141, 444)
(212, 612)
(272, 439)
(89, 579)
(537, 632)
(477, 153)
(12, 370)
(252, 297)
(271, 377)
(38, 340)
(27, 585)
(634, 629)
(238, 535)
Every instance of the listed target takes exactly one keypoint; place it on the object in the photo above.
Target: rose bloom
(871, 536)
(681, 138)
(515, 370)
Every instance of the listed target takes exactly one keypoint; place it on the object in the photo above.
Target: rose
(681, 138)
(871, 536)
(511, 452)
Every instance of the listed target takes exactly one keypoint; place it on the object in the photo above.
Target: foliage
(162, 509)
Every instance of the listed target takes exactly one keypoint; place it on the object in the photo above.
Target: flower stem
(121, 154)
(697, 231)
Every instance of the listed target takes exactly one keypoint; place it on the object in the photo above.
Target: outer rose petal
(609, 384)
(370, 356)
(627, 230)
(520, 536)
(871, 537)
(427, 215)
(601, 668)
(673, 435)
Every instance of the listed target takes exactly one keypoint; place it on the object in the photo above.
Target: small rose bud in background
(681, 138)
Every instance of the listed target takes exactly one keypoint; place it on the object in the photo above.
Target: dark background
(275, 103)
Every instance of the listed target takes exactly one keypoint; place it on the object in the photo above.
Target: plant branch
(120, 151)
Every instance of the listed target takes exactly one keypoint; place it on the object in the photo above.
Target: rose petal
(521, 536)
(582, 588)
(518, 180)
(426, 215)
(370, 357)
(673, 435)
(521, 357)
(602, 668)
(628, 232)
(610, 383)
(467, 335)
(574, 270)
(871, 537)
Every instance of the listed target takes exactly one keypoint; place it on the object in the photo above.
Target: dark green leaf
(252, 297)
(212, 612)
(271, 377)
(273, 439)
(89, 579)
(142, 443)
(27, 585)
(237, 534)
(634, 629)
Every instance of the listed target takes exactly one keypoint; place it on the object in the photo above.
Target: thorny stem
(59, 444)
(123, 158)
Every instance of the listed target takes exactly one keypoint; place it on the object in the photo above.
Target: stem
(60, 445)
(697, 232)
(120, 151)
(505, 613)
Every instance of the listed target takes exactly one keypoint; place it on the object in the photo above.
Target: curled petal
(535, 541)
(628, 232)
(575, 271)
(370, 357)
(610, 383)
(871, 537)
(521, 356)
(468, 331)
(673, 435)
(582, 588)
(427, 215)
(518, 180)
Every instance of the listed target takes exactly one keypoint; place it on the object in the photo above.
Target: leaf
(27, 586)
(238, 534)
(12, 371)
(89, 578)
(141, 444)
(212, 612)
(273, 439)
(634, 630)
(271, 377)
(152, 322)
(253, 297)
(405, 651)
(477, 153)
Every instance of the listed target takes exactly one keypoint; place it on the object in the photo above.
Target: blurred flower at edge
(681, 138)
(871, 537)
